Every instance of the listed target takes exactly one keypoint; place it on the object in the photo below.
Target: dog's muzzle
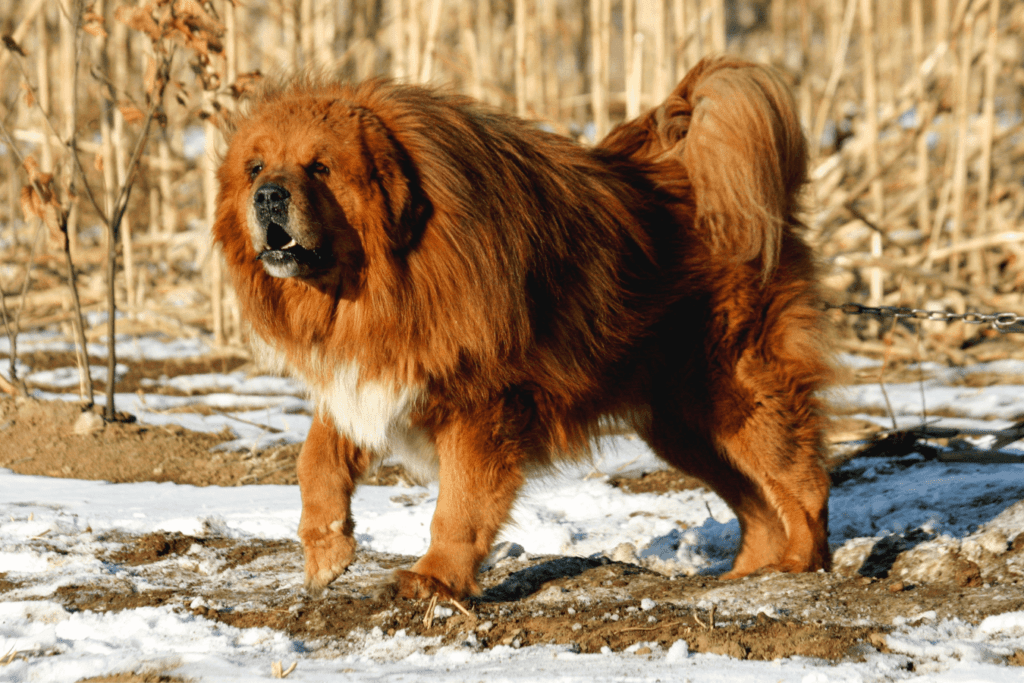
(282, 256)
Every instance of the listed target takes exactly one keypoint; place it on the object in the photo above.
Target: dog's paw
(329, 551)
(783, 566)
(409, 584)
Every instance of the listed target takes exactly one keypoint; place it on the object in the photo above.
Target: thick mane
(526, 244)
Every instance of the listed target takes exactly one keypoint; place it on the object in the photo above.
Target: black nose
(271, 202)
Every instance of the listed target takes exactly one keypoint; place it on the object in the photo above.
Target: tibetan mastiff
(460, 288)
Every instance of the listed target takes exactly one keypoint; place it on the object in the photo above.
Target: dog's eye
(316, 168)
(255, 170)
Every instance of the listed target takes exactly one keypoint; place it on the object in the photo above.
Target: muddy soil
(587, 603)
(59, 439)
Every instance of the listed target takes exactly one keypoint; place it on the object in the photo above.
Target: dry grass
(916, 196)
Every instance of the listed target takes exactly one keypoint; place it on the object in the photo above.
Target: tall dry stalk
(778, 14)
(399, 39)
(534, 80)
(680, 35)
(12, 324)
(43, 86)
(168, 214)
(119, 59)
(925, 112)
(833, 21)
(838, 69)
(962, 106)
(661, 53)
(111, 196)
(871, 132)
(520, 66)
(17, 36)
(69, 36)
(40, 198)
(468, 45)
(549, 56)
(429, 50)
(633, 58)
(306, 32)
(941, 9)
(804, 103)
(485, 40)
(412, 43)
(325, 31)
(717, 26)
(210, 212)
(600, 26)
(289, 34)
(988, 119)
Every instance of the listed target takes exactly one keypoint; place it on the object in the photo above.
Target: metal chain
(1002, 322)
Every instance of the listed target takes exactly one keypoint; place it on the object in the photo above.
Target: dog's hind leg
(768, 424)
(765, 469)
(328, 468)
(781, 461)
(674, 441)
(480, 475)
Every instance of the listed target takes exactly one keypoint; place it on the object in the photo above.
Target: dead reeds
(912, 107)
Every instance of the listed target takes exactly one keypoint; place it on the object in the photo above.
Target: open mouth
(284, 257)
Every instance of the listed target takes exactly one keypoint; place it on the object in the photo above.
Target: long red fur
(500, 292)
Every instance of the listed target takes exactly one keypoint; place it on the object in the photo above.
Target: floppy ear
(408, 208)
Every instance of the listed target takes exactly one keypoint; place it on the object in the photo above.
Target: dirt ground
(589, 604)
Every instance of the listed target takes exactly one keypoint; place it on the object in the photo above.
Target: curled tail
(732, 124)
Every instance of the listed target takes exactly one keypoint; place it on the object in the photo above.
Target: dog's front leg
(480, 474)
(328, 468)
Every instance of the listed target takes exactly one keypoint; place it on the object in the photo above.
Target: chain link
(1003, 322)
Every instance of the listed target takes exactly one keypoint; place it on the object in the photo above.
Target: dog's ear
(407, 206)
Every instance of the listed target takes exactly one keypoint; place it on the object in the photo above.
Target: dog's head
(319, 187)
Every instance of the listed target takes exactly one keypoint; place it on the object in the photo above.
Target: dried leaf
(139, 19)
(92, 23)
(191, 25)
(39, 199)
(97, 162)
(30, 98)
(131, 113)
(13, 46)
(245, 83)
(44, 181)
(149, 77)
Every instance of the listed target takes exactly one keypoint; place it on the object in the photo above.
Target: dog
(462, 289)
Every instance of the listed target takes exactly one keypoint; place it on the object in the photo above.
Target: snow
(571, 513)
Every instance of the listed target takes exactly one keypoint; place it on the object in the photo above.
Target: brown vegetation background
(109, 113)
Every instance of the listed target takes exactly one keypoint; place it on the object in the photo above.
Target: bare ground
(585, 602)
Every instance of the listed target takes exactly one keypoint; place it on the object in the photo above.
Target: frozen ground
(60, 537)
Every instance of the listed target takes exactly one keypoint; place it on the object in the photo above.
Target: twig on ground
(278, 671)
(428, 618)
(711, 619)
(1007, 436)
(459, 606)
(267, 428)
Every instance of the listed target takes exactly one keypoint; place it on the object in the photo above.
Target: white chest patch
(375, 415)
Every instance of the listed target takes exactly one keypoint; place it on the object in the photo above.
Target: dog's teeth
(290, 244)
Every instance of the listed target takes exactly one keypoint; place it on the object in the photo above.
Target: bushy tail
(733, 126)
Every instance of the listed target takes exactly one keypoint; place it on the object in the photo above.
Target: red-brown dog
(458, 287)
